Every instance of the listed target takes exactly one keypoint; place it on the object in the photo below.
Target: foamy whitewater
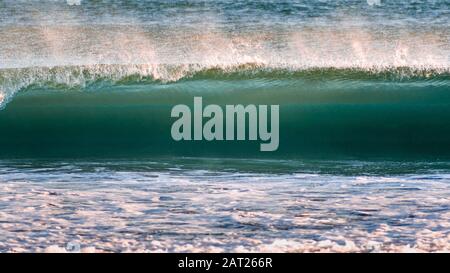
(86, 157)
(207, 205)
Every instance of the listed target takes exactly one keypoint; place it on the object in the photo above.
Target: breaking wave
(84, 76)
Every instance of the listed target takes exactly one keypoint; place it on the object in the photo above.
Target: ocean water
(217, 205)
(87, 159)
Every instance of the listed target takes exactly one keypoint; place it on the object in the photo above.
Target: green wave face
(322, 114)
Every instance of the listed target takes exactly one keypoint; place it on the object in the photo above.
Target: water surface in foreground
(195, 204)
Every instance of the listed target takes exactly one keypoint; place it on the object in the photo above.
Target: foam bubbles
(156, 208)
(374, 2)
(73, 2)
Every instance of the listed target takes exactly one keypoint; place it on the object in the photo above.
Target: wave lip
(81, 76)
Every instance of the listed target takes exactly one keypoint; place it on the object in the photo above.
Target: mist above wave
(209, 45)
(223, 32)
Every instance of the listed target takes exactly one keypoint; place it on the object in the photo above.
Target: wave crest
(67, 77)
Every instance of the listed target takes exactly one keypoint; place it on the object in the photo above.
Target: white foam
(73, 2)
(374, 2)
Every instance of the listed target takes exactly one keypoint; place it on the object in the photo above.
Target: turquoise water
(86, 154)
(328, 114)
